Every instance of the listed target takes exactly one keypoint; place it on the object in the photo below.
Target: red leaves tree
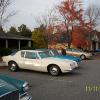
(71, 13)
(80, 38)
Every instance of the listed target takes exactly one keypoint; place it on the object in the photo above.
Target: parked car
(56, 54)
(13, 89)
(97, 50)
(39, 61)
(79, 53)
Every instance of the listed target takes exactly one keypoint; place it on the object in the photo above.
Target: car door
(32, 61)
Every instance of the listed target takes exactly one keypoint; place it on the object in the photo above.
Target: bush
(5, 51)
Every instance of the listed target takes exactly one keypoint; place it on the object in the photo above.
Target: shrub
(5, 51)
(27, 48)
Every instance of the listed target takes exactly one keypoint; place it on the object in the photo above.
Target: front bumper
(26, 97)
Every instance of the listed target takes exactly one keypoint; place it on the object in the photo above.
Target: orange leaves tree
(71, 14)
(80, 38)
(82, 22)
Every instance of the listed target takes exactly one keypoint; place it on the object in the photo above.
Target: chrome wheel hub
(54, 70)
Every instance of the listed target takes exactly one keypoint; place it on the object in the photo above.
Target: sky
(28, 10)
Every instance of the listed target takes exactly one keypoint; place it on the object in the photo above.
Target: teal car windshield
(78, 50)
(55, 53)
(44, 54)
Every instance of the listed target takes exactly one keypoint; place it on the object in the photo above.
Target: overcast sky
(27, 10)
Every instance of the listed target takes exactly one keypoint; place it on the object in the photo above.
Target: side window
(31, 55)
(22, 54)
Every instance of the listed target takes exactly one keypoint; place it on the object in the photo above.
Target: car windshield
(55, 53)
(44, 54)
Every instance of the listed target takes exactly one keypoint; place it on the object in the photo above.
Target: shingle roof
(12, 36)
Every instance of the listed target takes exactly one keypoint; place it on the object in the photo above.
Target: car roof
(32, 50)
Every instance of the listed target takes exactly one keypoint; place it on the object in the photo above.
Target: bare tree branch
(93, 15)
(4, 17)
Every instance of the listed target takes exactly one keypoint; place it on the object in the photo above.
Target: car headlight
(72, 64)
(25, 87)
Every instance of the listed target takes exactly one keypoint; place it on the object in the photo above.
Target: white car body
(79, 53)
(39, 64)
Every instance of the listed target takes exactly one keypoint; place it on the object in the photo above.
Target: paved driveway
(82, 84)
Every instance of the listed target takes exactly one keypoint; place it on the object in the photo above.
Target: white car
(79, 53)
(38, 61)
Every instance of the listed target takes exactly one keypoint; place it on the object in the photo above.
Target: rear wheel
(13, 66)
(54, 70)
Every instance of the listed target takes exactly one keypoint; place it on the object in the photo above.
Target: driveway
(82, 84)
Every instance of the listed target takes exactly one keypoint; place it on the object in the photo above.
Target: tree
(12, 30)
(46, 20)
(38, 38)
(1, 29)
(24, 31)
(4, 16)
(71, 15)
(92, 15)
(80, 38)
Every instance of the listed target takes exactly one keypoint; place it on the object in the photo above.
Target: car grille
(11, 96)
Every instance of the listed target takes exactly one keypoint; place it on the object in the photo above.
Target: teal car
(56, 54)
(13, 89)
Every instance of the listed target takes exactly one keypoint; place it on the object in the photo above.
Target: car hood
(18, 84)
(77, 59)
(5, 87)
(52, 59)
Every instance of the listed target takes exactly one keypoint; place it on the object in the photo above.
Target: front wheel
(54, 70)
(13, 66)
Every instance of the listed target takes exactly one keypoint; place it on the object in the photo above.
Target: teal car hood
(77, 59)
(5, 88)
(18, 84)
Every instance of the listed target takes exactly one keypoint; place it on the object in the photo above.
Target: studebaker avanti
(38, 61)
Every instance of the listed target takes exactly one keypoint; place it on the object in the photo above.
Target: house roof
(12, 36)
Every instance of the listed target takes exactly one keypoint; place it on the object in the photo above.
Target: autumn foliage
(80, 38)
(71, 12)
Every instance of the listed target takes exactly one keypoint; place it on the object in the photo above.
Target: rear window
(12, 54)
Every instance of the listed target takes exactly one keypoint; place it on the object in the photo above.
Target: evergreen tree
(13, 30)
(24, 31)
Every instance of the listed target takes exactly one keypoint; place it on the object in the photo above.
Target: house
(14, 41)
(94, 40)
